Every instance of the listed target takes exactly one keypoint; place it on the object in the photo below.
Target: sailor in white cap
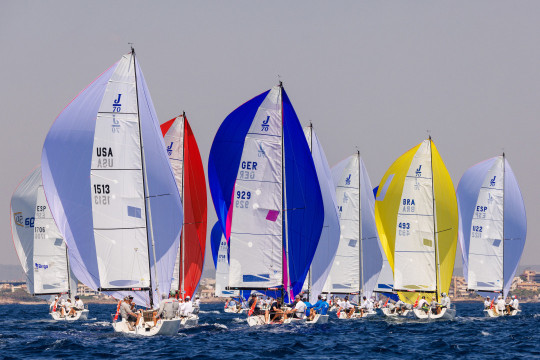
(500, 305)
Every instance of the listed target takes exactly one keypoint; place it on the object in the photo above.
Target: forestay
(114, 198)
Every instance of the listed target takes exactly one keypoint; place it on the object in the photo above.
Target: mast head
(132, 49)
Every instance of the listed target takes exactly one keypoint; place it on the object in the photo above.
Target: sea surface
(26, 332)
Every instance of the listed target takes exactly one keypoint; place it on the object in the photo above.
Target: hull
(258, 320)
(188, 321)
(492, 313)
(163, 327)
(79, 315)
(394, 314)
(357, 315)
(235, 311)
(446, 314)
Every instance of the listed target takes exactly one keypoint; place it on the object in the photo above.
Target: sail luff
(434, 211)
(147, 207)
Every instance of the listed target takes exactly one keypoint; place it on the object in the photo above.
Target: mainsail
(188, 171)
(40, 246)
(329, 240)
(493, 225)
(416, 214)
(358, 260)
(111, 189)
(260, 168)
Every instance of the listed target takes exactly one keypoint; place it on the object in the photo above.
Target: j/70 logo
(419, 171)
(492, 181)
(169, 149)
(24, 222)
(116, 104)
(348, 180)
(264, 125)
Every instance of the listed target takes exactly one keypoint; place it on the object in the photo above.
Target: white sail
(38, 242)
(23, 206)
(414, 255)
(51, 269)
(174, 140)
(256, 248)
(120, 236)
(222, 271)
(344, 276)
(486, 249)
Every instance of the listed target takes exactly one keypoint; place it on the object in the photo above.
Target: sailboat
(267, 197)
(40, 247)
(220, 251)
(416, 214)
(492, 228)
(111, 190)
(358, 261)
(329, 239)
(188, 171)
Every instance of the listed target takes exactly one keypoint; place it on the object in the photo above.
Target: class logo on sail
(169, 149)
(117, 107)
(419, 171)
(348, 180)
(492, 181)
(264, 125)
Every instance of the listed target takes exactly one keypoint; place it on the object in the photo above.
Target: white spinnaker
(118, 204)
(344, 276)
(414, 254)
(50, 256)
(329, 239)
(256, 248)
(174, 140)
(23, 206)
(486, 247)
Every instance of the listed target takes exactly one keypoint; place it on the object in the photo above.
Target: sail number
(242, 199)
(40, 211)
(480, 212)
(476, 231)
(404, 228)
(101, 196)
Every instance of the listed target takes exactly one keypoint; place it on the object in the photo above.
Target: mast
(69, 278)
(147, 208)
(311, 151)
(182, 236)
(437, 272)
(504, 169)
(283, 202)
(360, 242)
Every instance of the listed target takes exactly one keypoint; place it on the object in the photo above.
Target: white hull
(492, 313)
(258, 320)
(395, 314)
(163, 327)
(79, 315)
(357, 315)
(188, 321)
(235, 311)
(446, 314)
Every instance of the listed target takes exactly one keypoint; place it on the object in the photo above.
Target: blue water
(26, 332)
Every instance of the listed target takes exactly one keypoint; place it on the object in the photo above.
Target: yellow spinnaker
(389, 197)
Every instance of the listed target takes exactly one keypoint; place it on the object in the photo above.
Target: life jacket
(117, 310)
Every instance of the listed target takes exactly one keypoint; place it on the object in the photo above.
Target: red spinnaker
(194, 202)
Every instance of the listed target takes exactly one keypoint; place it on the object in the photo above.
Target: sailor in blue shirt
(308, 307)
(321, 306)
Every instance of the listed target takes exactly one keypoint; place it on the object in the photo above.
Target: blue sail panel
(304, 204)
(66, 160)
(215, 241)
(225, 155)
(164, 197)
(515, 226)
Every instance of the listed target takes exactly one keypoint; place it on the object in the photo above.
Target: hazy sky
(372, 74)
